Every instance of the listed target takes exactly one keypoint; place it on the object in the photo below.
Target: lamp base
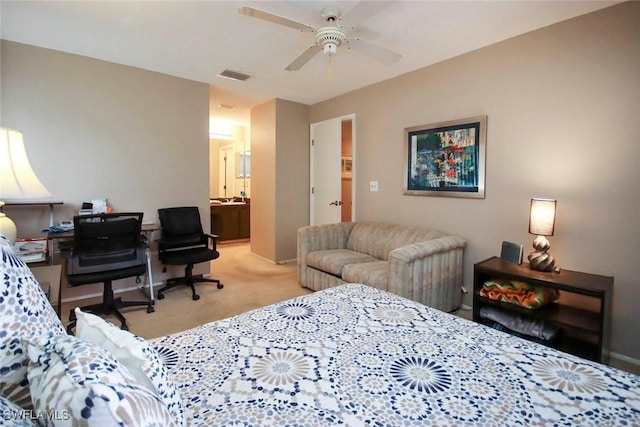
(8, 228)
(541, 261)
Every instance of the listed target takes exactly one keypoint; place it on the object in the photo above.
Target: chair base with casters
(109, 304)
(188, 280)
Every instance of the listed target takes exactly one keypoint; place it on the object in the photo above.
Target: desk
(50, 203)
(67, 236)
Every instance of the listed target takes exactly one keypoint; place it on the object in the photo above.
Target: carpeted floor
(249, 282)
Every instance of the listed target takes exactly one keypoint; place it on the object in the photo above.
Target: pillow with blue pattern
(24, 311)
(11, 415)
(67, 373)
(135, 354)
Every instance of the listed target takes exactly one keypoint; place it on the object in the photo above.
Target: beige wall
(280, 177)
(94, 128)
(263, 167)
(292, 176)
(562, 106)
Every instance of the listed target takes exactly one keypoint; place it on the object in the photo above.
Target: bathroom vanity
(230, 220)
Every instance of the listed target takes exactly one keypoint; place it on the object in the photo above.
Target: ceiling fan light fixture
(329, 39)
(330, 48)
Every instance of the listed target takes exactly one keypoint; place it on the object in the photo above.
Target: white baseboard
(624, 359)
(115, 291)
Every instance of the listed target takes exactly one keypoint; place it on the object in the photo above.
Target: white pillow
(85, 385)
(133, 352)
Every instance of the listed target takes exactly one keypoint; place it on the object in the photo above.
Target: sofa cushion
(332, 261)
(378, 239)
(374, 274)
(24, 311)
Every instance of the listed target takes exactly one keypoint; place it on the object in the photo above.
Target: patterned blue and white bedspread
(354, 355)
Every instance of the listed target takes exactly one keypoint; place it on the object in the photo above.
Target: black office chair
(106, 247)
(184, 243)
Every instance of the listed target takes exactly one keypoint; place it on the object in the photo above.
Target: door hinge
(313, 190)
(313, 142)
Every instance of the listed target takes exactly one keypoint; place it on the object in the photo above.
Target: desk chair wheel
(150, 309)
(160, 296)
(220, 286)
(195, 297)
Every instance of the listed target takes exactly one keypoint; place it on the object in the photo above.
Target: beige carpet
(249, 282)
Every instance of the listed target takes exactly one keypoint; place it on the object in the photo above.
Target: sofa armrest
(419, 250)
(317, 238)
(429, 272)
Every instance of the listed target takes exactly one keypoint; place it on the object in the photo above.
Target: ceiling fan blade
(374, 51)
(269, 17)
(304, 58)
(365, 10)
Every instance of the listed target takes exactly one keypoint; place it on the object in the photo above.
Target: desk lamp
(18, 182)
(542, 218)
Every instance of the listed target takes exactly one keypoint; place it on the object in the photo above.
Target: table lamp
(542, 218)
(18, 181)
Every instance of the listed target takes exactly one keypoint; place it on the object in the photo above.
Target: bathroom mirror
(230, 165)
(243, 164)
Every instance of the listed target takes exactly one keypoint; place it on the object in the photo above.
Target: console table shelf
(585, 330)
(50, 203)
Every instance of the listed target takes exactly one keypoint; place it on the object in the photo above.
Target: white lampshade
(542, 217)
(18, 182)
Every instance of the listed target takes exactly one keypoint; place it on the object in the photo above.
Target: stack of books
(32, 250)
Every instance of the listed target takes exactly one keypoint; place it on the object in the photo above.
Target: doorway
(332, 171)
(226, 172)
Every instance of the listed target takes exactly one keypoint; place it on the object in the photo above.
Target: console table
(586, 329)
(50, 203)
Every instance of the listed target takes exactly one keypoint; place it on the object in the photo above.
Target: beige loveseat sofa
(418, 264)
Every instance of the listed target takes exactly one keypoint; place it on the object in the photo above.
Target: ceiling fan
(333, 35)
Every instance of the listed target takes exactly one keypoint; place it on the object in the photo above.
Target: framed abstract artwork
(446, 159)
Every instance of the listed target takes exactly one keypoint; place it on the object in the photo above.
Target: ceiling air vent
(234, 75)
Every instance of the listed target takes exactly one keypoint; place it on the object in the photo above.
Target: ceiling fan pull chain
(330, 76)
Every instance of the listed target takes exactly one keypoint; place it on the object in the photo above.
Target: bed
(356, 355)
(350, 355)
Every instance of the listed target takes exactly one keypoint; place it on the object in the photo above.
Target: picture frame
(446, 159)
(346, 166)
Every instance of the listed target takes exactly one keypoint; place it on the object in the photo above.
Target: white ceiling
(198, 39)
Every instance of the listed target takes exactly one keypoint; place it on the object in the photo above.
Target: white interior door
(326, 169)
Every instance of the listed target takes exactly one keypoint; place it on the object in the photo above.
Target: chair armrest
(165, 244)
(213, 239)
